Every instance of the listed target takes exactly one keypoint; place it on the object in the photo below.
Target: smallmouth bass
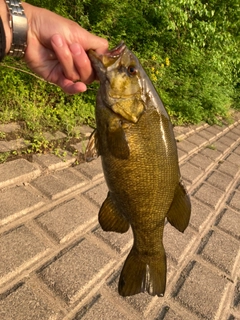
(135, 140)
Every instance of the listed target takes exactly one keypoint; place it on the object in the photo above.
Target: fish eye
(132, 70)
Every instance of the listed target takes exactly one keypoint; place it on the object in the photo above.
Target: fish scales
(135, 139)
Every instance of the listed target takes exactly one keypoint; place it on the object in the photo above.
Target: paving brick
(100, 308)
(197, 140)
(17, 171)
(52, 162)
(176, 243)
(72, 180)
(221, 147)
(181, 155)
(187, 146)
(92, 170)
(227, 141)
(190, 173)
(168, 313)
(227, 250)
(211, 153)
(234, 158)
(201, 161)
(18, 247)
(3, 147)
(200, 215)
(97, 194)
(16, 202)
(209, 195)
(65, 220)
(75, 271)
(9, 127)
(228, 168)
(200, 290)
(17, 144)
(215, 130)
(59, 184)
(24, 304)
(207, 134)
(236, 297)
(117, 241)
(229, 221)
(232, 135)
(219, 180)
(235, 201)
(237, 150)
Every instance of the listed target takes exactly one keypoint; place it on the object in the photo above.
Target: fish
(134, 137)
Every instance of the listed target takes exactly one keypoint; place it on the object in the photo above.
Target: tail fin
(143, 273)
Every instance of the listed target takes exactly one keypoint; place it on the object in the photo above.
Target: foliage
(189, 48)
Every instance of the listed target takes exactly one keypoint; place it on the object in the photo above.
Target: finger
(91, 41)
(71, 87)
(64, 56)
(82, 63)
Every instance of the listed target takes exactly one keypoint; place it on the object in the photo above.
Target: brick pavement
(56, 262)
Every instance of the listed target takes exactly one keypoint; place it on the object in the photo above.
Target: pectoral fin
(92, 147)
(110, 218)
(180, 210)
(116, 139)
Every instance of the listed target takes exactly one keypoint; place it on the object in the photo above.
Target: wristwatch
(19, 26)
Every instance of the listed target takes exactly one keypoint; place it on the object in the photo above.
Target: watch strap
(18, 24)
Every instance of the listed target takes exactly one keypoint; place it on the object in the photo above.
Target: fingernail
(57, 40)
(75, 49)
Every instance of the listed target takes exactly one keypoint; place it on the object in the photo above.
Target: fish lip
(114, 53)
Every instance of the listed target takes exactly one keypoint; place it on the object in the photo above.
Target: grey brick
(187, 146)
(209, 195)
(9, 127)
(219, 180)
(229, 221)
(200, 215)
(74, 272)
(176, 243)
(97, 194)
(215, 130)
(227, 141)
(92, 170)
(59, 184)
(232, 135)
(24, 304)
(18, 248)
(201, 161)
(17, 202)
(15, 144)
(17, 171)
(221, 147)
(220, 249)
(197, 140)
(200, 290)
(168, 313)
(3, 147)
(211, 153)
(190, 173)
(117, 241)
(68, 218)
(237, 150)
(72, 180)
(228, 168)
(181, 155)
(234, 158)
(235, 201)
(236, 297)
(52, 162)
(100, 308)
(207, 134)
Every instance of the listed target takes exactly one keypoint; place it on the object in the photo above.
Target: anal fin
(110, 218)
(180, 210)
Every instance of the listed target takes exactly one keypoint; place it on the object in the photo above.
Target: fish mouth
(107, 58)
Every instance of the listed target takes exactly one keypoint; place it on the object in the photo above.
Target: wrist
(5, 20)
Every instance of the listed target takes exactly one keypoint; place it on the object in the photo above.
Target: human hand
(57, 49)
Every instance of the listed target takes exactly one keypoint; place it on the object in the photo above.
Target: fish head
(120, 76)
